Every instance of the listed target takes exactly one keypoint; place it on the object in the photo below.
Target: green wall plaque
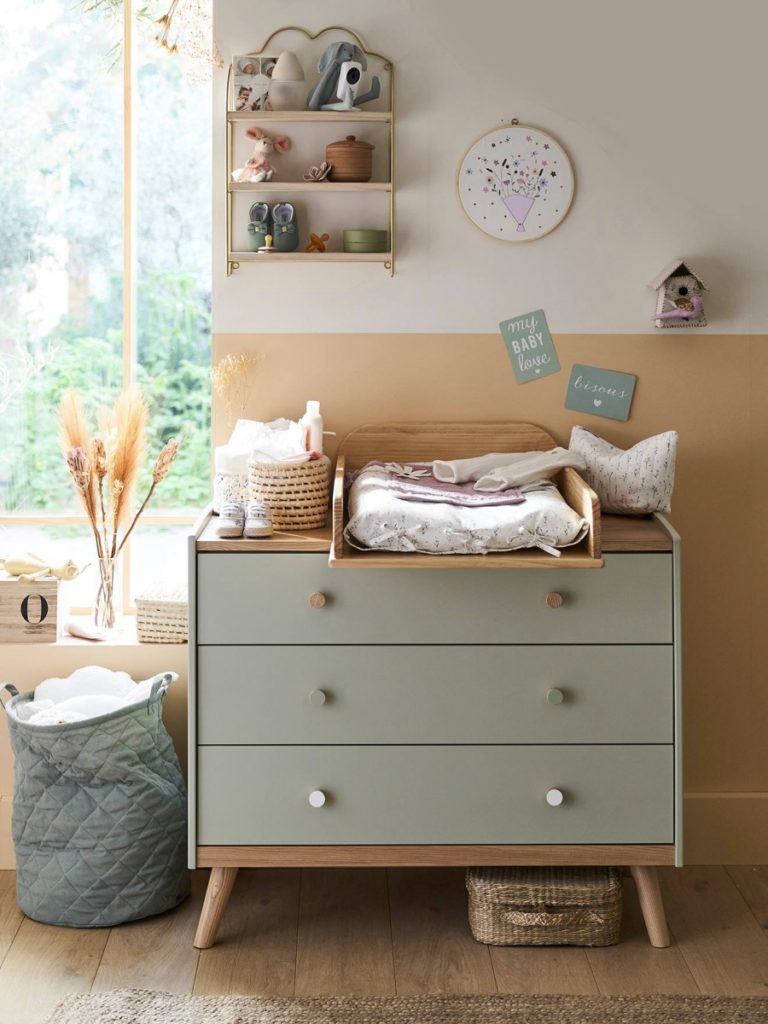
(529, 346)
(600, 392)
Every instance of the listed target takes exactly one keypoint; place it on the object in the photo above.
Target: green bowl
(366, 240)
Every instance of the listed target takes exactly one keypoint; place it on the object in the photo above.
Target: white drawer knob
(555, 696)
(317, 600)
(553, 599)
(317, 698)
(316, 798)
(554, 797)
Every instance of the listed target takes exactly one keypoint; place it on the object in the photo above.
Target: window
(105, 227)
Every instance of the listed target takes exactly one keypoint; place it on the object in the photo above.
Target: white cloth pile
(88, 693)
(273, 442)
(499, 471)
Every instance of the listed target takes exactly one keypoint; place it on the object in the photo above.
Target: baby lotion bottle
(312, 422)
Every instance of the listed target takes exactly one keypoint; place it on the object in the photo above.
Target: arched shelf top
(311, 36)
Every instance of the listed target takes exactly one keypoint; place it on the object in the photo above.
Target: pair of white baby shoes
(251, 520)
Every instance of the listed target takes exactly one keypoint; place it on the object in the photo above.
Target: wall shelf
(311, 186)
(312, 116)
(363, 212)
(311, 257)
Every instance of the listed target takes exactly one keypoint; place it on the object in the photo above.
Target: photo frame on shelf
(516, 183)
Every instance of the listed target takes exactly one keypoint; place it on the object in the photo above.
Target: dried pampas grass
(74, 435)
(105, 469)
(124, 427)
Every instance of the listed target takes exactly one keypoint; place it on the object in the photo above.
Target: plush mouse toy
(259, 167)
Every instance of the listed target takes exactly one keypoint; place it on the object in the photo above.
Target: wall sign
(516, 183)
(600, 392)
(529, 346)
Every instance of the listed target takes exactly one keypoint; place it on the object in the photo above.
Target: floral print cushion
(632, 482)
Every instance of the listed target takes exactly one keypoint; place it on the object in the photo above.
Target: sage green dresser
(460, 716)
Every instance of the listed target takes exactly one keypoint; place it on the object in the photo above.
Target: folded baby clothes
(414, 481)
(498, 471)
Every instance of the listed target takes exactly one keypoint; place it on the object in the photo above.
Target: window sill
(125, 638)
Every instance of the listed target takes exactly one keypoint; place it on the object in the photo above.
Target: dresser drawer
(265, 599)
(439, 794)
(421, 694)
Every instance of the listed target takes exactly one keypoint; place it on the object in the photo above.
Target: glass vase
(107, 604)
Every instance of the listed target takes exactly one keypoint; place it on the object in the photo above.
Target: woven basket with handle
(297, 494)
(557, 906)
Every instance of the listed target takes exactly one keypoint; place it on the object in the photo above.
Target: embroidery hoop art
(516, 212)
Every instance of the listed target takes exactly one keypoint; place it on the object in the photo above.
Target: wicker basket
(558, 906)
(162, 621)
(296, 493)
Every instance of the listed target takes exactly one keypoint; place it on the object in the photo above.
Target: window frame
(130, 347)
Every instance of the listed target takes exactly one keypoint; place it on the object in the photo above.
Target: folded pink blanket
(414, 482)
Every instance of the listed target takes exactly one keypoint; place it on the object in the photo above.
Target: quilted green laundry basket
(99, 815)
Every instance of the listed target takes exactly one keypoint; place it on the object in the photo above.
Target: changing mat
(379, 520)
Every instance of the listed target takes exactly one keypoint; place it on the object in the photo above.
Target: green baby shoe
(285, 230)
(258, 227)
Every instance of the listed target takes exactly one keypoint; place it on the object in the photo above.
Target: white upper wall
(659, 103)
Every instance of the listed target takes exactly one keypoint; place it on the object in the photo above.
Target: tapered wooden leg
(216, 898)
(651, 904)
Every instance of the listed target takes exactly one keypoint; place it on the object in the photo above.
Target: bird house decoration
(680, 302)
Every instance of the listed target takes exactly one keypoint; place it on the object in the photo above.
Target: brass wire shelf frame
(234, 118)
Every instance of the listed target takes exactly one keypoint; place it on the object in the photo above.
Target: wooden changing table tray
(423, 442)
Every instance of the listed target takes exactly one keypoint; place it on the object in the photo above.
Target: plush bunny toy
(259, 167)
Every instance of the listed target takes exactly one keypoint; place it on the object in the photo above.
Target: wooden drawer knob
(555, 797)
(317, 698)
(316, 798)
(555, 696)
(317, 600)
(553, 599)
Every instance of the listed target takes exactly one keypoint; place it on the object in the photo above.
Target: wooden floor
(322, 932)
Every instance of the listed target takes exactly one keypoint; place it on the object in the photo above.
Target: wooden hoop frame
(514, 123)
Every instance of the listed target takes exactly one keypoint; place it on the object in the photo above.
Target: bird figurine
(317, 243)
(686, 308)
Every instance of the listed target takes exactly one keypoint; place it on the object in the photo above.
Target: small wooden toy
(318, 173)
(29, 567)
(317, 243)
(679, 302)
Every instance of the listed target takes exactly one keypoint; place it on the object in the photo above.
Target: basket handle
(538, 919)
(7, 688)
(161, 684)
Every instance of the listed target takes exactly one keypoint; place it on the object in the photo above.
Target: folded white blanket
(83, 681)
(55, 716)
(88, 693)
(497, 471)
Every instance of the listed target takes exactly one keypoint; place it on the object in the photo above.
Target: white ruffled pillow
(632, 482)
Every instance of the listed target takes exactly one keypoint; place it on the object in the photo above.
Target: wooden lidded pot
(352, 159)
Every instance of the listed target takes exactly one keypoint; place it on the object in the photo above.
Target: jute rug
(135, 1007)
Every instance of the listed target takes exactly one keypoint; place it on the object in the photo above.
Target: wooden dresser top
(619, 533)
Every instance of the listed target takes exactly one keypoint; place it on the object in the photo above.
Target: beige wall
(662, 137)
(712, 390)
